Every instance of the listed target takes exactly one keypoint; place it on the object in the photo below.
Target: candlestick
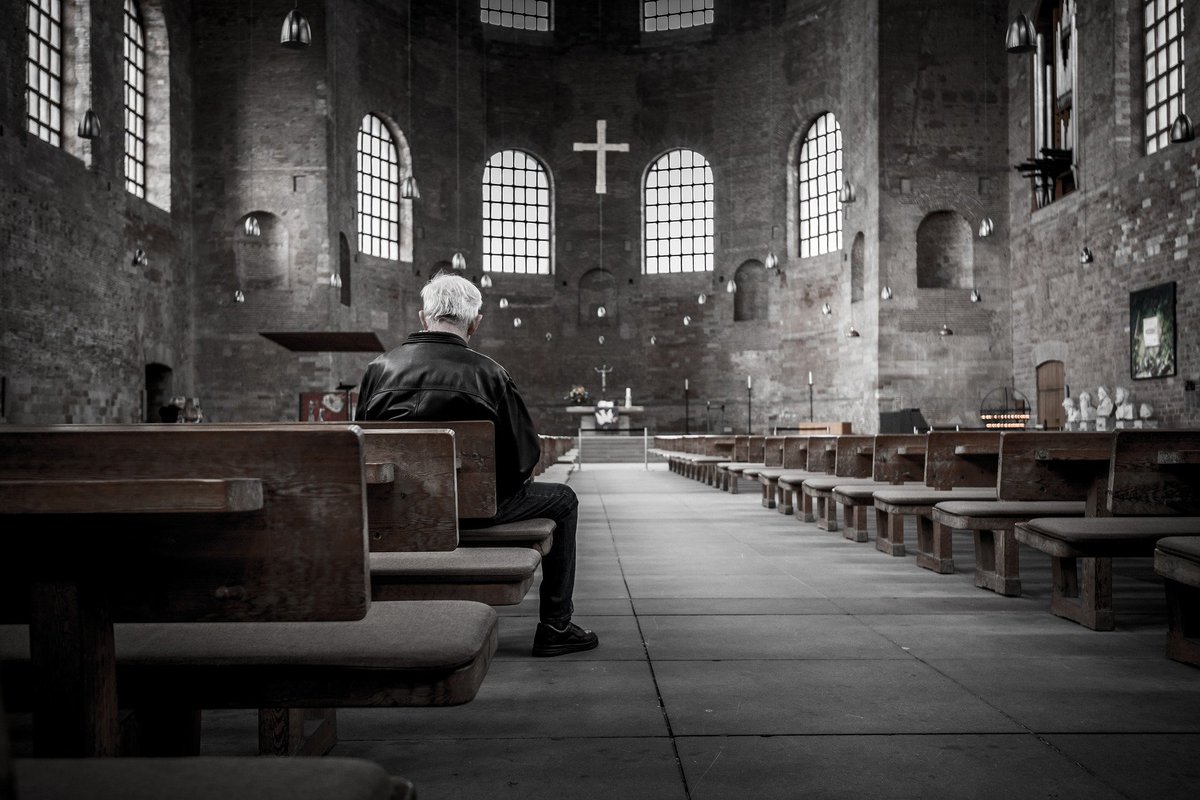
(748, 382)
(810, 377)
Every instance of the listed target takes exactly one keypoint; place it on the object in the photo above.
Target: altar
(587, 417)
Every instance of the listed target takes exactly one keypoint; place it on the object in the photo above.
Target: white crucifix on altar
(602, 147)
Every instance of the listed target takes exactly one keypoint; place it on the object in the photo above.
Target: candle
(810, 377)
(685, 384)
(748, 382)
(628, 397)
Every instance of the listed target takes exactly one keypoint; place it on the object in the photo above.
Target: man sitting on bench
(434, 377)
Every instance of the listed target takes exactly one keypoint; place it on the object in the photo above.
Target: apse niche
(262, 261)
(945, 252)
(750, 300)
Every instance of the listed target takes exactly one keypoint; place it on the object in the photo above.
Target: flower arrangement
(578, 396)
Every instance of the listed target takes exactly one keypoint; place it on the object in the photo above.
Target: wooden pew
(892, 506)
(793, 455)
(1149, 490)
(747, 452)
(898, 459)
(772, 459)
(1177, 560)
(973, 459)
(852, 464)
(821, 456)
(273, 583)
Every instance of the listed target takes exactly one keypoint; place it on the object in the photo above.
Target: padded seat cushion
(480, 564)
(1177, 558)
(827, 483)
(771, 473)
(797, 477)
(901, 496)
(864, 493)
(1103, 537)
(421, 653)
(1187, 547)
(207, 778)
(1013, 508)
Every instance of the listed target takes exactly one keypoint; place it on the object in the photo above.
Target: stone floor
(745, 654)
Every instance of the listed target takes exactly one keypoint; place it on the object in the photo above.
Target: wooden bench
(772, 459)
(820, 457)
(747, 452)
(793, 456)
(972, 458)
(897, 460)
(1177, 560)
(698, 455)
(254, 538)
(852, 464)
(1151, 490)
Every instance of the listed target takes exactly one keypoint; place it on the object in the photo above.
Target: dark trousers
(558, 502)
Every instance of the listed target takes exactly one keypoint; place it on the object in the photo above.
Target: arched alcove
(158, 104)
(263, 261)
(858, 257)
(598, 288)
(158, 389)
(945, 252)
(750, 301)
(344, 266)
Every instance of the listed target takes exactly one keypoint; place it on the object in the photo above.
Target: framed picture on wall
(1152, 332)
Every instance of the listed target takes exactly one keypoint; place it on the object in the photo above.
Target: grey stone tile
(568, 696)
(1074, 695)
(620, 639)
(819, 697)
(713, 606)
(1151, 766)
(531, 768)
(980, 767)
(762, 636)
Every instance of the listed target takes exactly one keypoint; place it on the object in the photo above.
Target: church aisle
(745, 654)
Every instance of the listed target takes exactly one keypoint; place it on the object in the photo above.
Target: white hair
(451, 298)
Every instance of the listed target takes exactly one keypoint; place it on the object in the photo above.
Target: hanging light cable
(771, 262)
(409, 189)
(458, 261)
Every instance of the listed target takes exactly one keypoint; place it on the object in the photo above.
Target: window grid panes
(1163, 32)
(820, 180)
(678, 199)
(43, 69)
(524, 15)
(516, 214)
(671, 15)
(135, 101)
(378, 190)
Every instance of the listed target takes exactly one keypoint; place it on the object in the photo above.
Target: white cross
(601, 147)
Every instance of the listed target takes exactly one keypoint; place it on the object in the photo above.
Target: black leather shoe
(549, 641)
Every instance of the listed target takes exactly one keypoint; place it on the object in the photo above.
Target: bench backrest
(412, 496)
(475, 442)
(899, 457)
(1155, 472)
(795, 452)
(822, 454)
(203, 522)
(853, 456)
(969, 459)
(773, 451)
(1055, 466)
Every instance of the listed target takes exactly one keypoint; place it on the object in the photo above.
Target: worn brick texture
(933, 114)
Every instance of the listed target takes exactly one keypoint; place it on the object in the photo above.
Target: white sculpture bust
(1072, 412)
(1104, 403)
(1086, 412)
(1146, 411)
(1124, 403)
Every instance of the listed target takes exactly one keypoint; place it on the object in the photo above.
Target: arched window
(1162, 25)
(524, 15)
(819, 180)
(44, 70)
(678, 201)
(671, 15)
(858, 263)
(135, 100)
(378, 190)
(517, 218)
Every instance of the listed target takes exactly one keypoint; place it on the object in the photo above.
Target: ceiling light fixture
(296, 33)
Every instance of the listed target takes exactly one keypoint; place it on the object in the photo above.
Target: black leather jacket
(435, 377)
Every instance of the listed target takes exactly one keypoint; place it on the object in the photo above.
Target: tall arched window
(671, 15)
(44, 69)
(1162, 26)
(678, 200)
(135, 100)
(819, 179)
(517, 215)
(525, 15)
(378, 190)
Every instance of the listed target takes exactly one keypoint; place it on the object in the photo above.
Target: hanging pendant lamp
(409, 189)
(847, 194)
(945, 331)
(89, 125)
(772, 260)
(1022, 37)
(251, 226)
(731, 287)
(486, 281)
(296, 33)
(503, 302)
(1085, 255)
(516, 322)
(976, 296)
(853, 333)
(239, 296)
(986, 227)
(458, 261)
(826, 309)
(601, 312)
(1181, 130)
(885, 293)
